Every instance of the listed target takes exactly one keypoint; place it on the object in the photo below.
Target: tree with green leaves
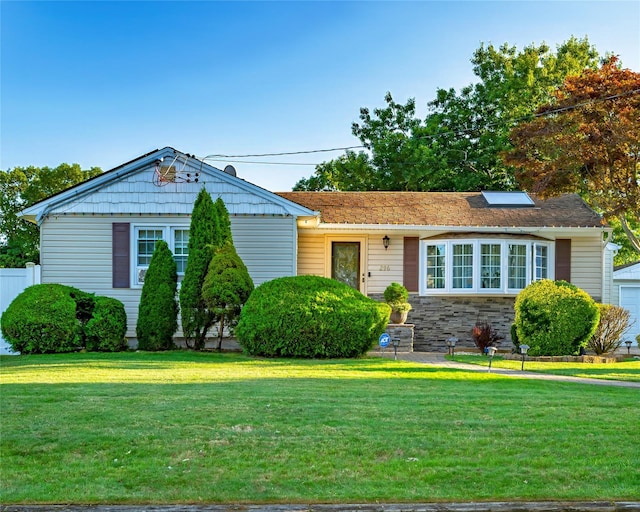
(158, 308)
(204, 238)
(457, 146)
(227, 287)
(588, 141)
(21, 187)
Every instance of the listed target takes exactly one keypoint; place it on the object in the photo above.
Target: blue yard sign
(384, 340)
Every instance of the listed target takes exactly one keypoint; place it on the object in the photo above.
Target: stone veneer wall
(441, 317)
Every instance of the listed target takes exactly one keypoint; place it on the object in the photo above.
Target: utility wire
(423, 137)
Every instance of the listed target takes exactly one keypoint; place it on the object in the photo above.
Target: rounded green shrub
(42, 319)
(105, 330)
(555, 318)
(310, 317)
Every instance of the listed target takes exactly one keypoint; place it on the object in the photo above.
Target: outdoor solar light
(385, 242)
(491, 351)
(628, 344)
(451, 345)
(396, 344)
(523, 351)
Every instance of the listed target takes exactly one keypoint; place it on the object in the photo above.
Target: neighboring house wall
(265, 243)
(12, 282)
(626, 293)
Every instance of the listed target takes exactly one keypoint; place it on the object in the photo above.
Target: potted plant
(397, 297)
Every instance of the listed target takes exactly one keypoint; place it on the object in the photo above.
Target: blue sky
(100, 83)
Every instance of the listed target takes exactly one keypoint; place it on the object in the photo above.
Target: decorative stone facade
(438, 318)
(403, 333)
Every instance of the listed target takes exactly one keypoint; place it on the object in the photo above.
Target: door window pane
(345, 263)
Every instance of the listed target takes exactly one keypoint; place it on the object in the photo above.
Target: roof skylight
(519, 199)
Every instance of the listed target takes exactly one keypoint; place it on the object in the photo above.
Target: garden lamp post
(523, 351)
(396, 344)
(628, 344)
(451, 344)
(491, 351)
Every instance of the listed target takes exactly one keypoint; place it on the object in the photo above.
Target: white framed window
(144, 243)
(483, 266)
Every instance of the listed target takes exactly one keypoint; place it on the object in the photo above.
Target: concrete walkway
(438, 359)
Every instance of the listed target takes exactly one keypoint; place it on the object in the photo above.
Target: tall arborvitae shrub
(226, 287)
(158, 310)
(204, 237)
(224, 223)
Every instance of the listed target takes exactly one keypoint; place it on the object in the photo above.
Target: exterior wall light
(385, 242)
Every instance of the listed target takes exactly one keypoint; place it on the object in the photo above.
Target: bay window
(480, 266)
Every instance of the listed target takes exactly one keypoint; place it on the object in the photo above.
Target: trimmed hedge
(42, 320)
(48, 318)
(310, 317)
(555, 318)
(105, 330)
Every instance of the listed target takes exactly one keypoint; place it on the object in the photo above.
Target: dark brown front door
(345, 263)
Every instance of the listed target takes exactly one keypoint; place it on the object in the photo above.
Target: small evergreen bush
(158, 309)
(310, 317)
(555, 318)
(42, 320)
(226, 287)
(107, 326)
(614, 321)
(48, 318)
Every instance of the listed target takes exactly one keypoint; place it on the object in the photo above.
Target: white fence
(12, 282)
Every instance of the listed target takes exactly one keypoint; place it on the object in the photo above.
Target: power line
(468, 131)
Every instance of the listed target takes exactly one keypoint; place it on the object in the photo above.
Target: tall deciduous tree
(21, 187)
(587, 141)
(204, 238)
(457, 146)
(158, 308)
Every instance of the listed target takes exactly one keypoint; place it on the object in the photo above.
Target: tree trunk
(635, 242)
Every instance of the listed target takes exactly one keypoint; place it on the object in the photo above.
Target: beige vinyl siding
(77, 251)
(311, 254)
(382, 267)
(586, 265)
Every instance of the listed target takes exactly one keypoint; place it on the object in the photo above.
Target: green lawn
(627, 370)
(186, 427)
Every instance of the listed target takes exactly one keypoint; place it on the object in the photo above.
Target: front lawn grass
(181, 427)
(626, 370)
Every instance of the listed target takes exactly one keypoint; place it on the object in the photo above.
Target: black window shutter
(563, 259)
(121, 255)
(410, 263)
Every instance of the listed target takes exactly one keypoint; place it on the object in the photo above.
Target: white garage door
(630, 299)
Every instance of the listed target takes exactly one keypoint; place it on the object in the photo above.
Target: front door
(345, 263)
